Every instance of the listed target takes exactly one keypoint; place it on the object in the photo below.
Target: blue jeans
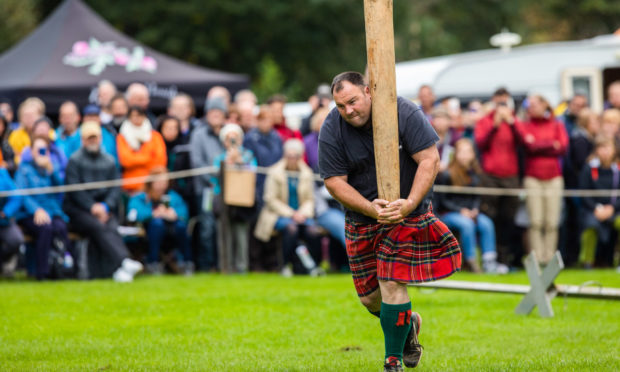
(332, 220)
(468, 229)
(158, 229)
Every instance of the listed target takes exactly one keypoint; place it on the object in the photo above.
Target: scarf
(136, 136)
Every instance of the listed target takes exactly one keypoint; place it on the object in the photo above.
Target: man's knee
(372, 301)
(393, 292)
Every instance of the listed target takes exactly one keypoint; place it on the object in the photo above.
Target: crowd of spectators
(294, 224)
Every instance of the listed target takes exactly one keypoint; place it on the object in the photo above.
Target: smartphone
(42, 151)
(165, 199)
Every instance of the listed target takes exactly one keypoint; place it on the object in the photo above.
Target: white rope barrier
(489, 191)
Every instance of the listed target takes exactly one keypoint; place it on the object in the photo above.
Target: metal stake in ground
(542, 289)
(382, 83)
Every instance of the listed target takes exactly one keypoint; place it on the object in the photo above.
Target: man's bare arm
(348, 196)
(428, 166)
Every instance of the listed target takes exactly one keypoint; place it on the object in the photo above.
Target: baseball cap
(90, 128)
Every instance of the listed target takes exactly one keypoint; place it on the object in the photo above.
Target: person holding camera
(41, 215)
(498, 139)
(164, 215)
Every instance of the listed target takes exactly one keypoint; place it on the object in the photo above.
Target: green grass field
(262, 322)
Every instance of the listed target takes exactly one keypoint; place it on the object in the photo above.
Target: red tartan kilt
(420, 249)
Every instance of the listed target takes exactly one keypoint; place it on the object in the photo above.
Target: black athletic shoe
(392, 364)
(413, 350)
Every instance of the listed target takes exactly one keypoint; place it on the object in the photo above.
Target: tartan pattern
(419, 249)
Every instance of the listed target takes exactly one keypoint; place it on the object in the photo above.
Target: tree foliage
(294, 45)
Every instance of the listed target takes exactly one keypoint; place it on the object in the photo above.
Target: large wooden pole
(382, 83)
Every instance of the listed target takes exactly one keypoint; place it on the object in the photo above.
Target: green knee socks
(395, 322)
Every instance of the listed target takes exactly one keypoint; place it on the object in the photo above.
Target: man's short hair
(276, 98)
(352, 77)
(501, 91)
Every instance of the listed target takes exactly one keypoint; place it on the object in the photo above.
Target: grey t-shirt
(346, 150)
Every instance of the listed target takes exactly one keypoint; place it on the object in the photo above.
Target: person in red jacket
(497, 138)
(545, 142)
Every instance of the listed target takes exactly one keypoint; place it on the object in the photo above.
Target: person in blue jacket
(41, 215)
(11, 236)
(43, 128)
(164, 215)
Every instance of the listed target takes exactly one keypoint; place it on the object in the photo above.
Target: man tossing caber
(389, 244)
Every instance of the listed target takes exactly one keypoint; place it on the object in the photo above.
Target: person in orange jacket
(140, 148)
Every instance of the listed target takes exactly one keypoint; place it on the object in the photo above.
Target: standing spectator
(570, 115)
(165, 215)
(6, 151)
(440, 119)
(67, 134)
(42, 127)
(247, 117)
(246, 96)
(462, 211)
(41, 215)
(276, 104)
(92, 211)
(11, 236)
(140, 148)
(601, 214)
(266, 145)
(545, 141)
(427, 100)
(6, 110)
(613, 95)
(321, 99)
(311, 140)
(581, 145)
(29, 111)
(177, 152)
(138, 95)
(205, 146)
(119, 108)
(182, 107)
(105, 91)
(233, 226)
(498, 140)
(289, 205)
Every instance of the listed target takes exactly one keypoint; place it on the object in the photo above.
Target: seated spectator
(108, 132)
(182, 107)
(41, 215)
(29, 111)
(276, 104)
(289, 206)
(43, 127)
(177, 152)
(545, 142)
(233, 225)
(67, 134)
(601, 215)
(119, 109)
(105, 91)
(311, 140)
(441, 123)
(92, 211)
(10, 235)
(6, 151)
(320, 100)
(461, 212)
(138, 95)
(6, 110)
(610, 125)
(164, 214)
(140, 148)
